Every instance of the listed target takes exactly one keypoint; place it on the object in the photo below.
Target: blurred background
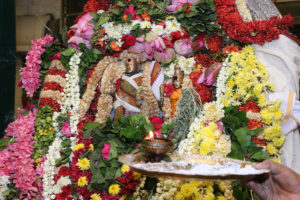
(24, 20)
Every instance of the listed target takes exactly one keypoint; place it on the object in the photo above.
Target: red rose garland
(203, 90)
(257, 32)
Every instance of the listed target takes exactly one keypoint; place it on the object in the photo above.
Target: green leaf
(243, 137)
(92, 125)
(148, 127)
(68, 52)
(236, 151)
(261, 155)
(120, 4)
(113, 152)
(115, 11)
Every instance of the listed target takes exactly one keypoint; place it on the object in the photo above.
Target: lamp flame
(150, 136)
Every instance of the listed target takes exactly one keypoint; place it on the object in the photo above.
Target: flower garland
(113, 72)
(257, 32)
(247, 79)
(16, 160)
(90, 91)
(54, 85)
(242, 8)
(50, 169)
(30, 75)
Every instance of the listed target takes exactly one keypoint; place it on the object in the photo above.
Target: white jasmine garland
(172, 25)
(117, 31)
(50, 169)
(186, 64)
(221, 82)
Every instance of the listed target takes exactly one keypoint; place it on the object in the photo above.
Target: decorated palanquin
(218, 78)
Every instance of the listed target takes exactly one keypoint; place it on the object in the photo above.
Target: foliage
(241, 145)
(199, 19)
(190, 106)
(65, 152)
(11, 193)
(123, 137)
(4, 142)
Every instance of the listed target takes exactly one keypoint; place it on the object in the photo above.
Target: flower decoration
(105, 151)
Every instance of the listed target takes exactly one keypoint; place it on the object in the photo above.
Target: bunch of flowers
(16, 161)
(243, 82)
(257, 32)
(4, 181)
(30, 75)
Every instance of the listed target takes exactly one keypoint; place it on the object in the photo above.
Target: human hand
(281, 184)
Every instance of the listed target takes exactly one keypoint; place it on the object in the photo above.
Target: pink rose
(130, 10)
(183, 47)
(157, 122)
(165, 56)
(66, 129)
(105, 151)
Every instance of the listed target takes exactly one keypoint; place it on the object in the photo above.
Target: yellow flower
(136, 175)
(123, 197)
(114, 189)
(78, 146)
(91, 147)
(277, 115)
(271, 149)
(221, 198)
(257, 89)
(262, 101)
(125, 168)
(230, 83)
(207, 146)
(179, 196)
(82, 181)
(95, 196)
(266, 116)
(278, 142)
(83, 164)
(208, 132)
(187, 190)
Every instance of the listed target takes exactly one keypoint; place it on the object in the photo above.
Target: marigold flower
(82, 181)
(114, 189)
(83, 164)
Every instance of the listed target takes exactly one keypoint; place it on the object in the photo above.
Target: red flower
(214, 43)
(62, 196)
(259, 141)
(176, 35)
(52, 86)
(168, 89)
(257, 32)
(194, 76)
(204, 92)
(56, 56)
(250, 106)
(204, 60)
(48, 101)
(64, 171)
(157, 122)
(56, 177)
(129, 40)
(67, 189)
(253, 124)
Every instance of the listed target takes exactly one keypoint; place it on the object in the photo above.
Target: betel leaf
(236, 151)
(131, 132)
(260, 155)
(243, 138)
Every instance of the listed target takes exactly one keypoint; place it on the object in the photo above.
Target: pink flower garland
(15, 160)
(30, 75)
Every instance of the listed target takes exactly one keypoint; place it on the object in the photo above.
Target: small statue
(126, 100)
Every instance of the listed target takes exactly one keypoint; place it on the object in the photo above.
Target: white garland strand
(221, 82)
(50, 169)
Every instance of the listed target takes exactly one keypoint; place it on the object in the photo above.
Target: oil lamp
(156, 146)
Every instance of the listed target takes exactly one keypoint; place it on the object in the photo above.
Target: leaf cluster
(235, 124)
(123, 137)
(200, 18)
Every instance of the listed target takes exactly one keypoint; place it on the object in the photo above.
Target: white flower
(145, 24)
(158, 29)
(186, 64)
(172, 26)
(169, 71)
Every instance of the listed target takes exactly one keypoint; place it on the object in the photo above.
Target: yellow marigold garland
(248, 79)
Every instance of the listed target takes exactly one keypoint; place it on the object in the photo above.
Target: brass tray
(189, 166)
